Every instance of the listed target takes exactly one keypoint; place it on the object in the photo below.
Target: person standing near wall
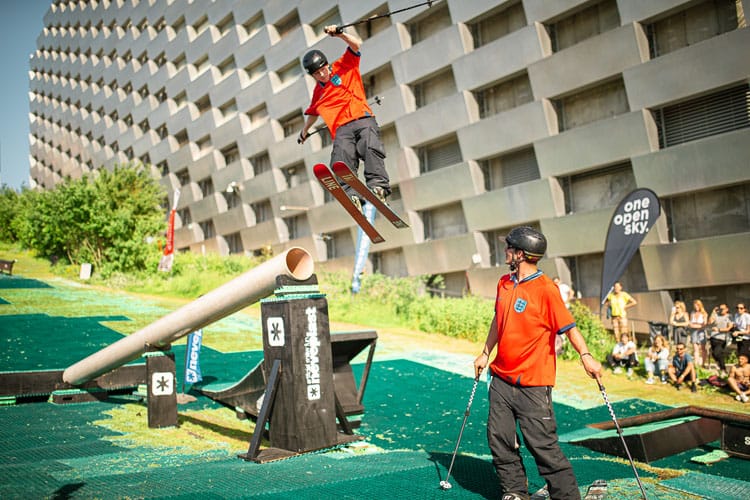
(619, 302)
(529, 315)
(741, 332)
(698, 323)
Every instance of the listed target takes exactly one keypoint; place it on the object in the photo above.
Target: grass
(236, 333)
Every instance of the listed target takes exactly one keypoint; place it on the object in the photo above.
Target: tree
(105, 219)
(9, 207)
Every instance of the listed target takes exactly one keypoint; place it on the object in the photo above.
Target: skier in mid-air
(339, 98)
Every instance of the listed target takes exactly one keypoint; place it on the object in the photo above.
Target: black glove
(302, 137)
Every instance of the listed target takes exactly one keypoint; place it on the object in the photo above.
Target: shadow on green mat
(21, 282)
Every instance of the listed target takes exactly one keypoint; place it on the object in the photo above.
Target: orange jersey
(342, 99)
(529, 315)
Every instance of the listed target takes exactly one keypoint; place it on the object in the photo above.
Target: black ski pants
(531, 408)
(360, 140)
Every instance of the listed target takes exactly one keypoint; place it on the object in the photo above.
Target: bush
(598, 339)
(104, 219)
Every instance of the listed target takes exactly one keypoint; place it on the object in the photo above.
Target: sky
(21, 21)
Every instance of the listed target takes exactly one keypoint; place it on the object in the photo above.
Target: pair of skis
(330, 182)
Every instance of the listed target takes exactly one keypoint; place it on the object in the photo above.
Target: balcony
(510, 205)
(599, 143)
(703, 164)
(593, 60)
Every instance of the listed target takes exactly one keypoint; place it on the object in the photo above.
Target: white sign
(312, 355)
(275, 329)
(162, 383)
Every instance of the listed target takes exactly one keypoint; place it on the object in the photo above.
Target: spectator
(566, 291)
(698, 322)
(720, 336)
(682, 368)
(619, 301)
(624, 354)
(739, 378)
(679, 320)
(741, 332)
(657, 360)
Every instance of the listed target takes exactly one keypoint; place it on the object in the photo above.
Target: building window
(494, 26)
(258, 116)
(230, 153)
(185, 217)
(339, 244)
(295, 175)
(289, 73)
(179, 61)
(200, 25)
(208, 229)
(234, 242)
(332, 17)
(297, 227)
(233, 199)
(599, 189)
(201, 64)
(584, 24)
(228, 109)
(204, 143)
(598, 103)
(510, 169)
(262, 211)
(389, 263)
(374, 26)
(434, 88)
(254, 24)
(256, 69)
(260, 163)
(705, 116)
(439, 155)
(206, 186)
(378, 82)
(288, 24)
(436, 19)
(227, 65)
(292, 124)
(225, 24)
(504, 96)
(692, 25)
(704, 214)
(203, 104)
(443, 222)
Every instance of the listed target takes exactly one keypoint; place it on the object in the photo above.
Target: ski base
(330, 184)
(597, 490)
(343, 171)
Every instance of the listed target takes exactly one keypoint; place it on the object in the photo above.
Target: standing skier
(339, 98)
(529, 315)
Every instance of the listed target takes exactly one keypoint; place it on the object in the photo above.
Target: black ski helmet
(314, 60)
(532, 242)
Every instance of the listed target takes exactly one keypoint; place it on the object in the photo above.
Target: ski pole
(339, 29)
(446, 485)
(622, 438)
(375, 100)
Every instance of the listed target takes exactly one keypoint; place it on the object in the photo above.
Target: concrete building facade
(494, 113)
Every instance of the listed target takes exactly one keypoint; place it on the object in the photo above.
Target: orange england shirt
(342, 99)
(530, 313)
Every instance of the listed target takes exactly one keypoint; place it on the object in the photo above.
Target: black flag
(633, 217)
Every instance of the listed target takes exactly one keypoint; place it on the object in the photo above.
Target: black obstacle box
(296, 332)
